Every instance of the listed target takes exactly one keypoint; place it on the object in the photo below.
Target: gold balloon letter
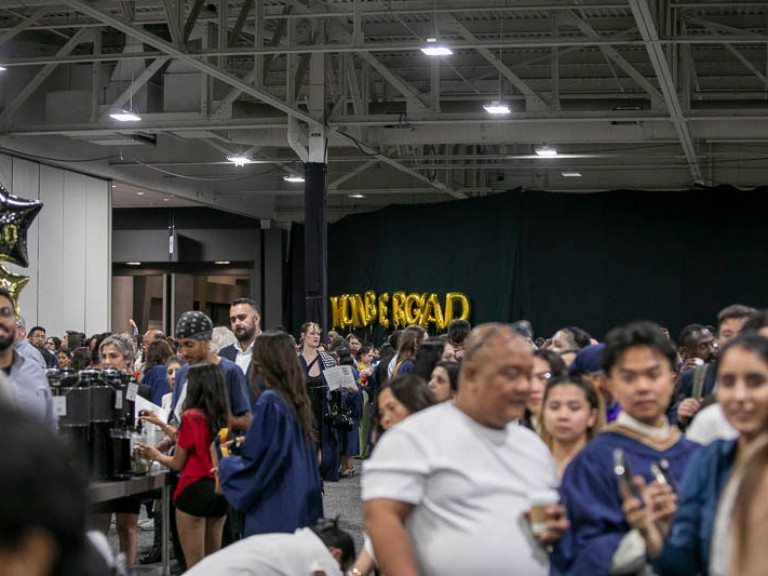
(335, 313)
(345, 311)
(371, 311)
(433, 312)
(384, 310)
(358, 311)
(413, 307)
(398, 310)
(450, 299)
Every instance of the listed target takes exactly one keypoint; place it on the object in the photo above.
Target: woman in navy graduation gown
(275, 481)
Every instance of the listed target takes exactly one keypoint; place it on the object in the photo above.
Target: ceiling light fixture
(3, 68)
(571, 174)
(433, 47)
(221, 262)
(497, 108)
(293, 178)
(166, 199)
(133, 263)
(125, 116)
(546, 151)
(139, 193)
(356, 195)
(239, 159)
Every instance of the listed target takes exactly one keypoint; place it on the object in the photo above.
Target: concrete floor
(341, 499)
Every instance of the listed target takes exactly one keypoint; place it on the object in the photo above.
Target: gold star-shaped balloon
(13, 283)
(16, 215)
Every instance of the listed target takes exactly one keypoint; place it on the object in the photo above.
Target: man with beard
(36, 337)
(31, 390)
(244, 319)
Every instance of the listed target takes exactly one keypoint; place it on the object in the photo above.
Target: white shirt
(470, 486)
(244, 357)
(710, 424)
(299, 554)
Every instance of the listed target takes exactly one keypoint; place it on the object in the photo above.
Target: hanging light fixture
(239, 159)
(434, 47)
(498, 107)
(123, 115)
(546, 151)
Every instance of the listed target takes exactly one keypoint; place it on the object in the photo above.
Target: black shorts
(200, 499)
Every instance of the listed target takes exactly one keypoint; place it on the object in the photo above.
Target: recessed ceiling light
(221, 262)
(139, 193)
(125, 116)
(114, 185)
(571, 174)
(356, 195)
(293, 178)
(497, 108)
(166, 199)
(239, 159)
(133, 263)
(546, 151)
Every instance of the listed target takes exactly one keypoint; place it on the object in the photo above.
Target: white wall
(69, 247)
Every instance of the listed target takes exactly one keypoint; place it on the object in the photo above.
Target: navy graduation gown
(590, 493)
(275, 481)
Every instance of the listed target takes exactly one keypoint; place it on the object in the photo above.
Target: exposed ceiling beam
(24, 24)
(648, 31)
(173, 14)
(129, 9)
(192, 17)
(237, 29)
(611, 53)
(351, 174)
(142, 79)
(80, 36)
(536, 100)
(210, 69)
(732, 49)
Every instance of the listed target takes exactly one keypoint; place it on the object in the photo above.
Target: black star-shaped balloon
(16, 215)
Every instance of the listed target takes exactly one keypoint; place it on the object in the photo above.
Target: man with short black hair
(697, 343)
(698, 383)
(23, 345)
(639, 362)
(244, 319)
(31, 390)
(36, 337)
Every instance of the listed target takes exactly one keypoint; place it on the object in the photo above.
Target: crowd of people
(486, 450)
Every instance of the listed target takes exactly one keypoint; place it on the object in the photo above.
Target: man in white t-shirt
(319, 551)
(446, 491)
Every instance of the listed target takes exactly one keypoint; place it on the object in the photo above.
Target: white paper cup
(540, 501)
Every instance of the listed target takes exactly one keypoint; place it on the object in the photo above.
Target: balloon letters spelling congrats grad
(360, 310)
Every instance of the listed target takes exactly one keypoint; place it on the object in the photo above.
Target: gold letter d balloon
(16, 215)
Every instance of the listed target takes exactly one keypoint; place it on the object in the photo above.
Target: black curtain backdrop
(591, 260)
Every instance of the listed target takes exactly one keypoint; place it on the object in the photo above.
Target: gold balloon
(358, 311)
(433, 312)
(413, 306)
(450, 299)
(398, 310)
(384, 310)
(371, 311)
(335, 313)
(345, 316)
(14, 283)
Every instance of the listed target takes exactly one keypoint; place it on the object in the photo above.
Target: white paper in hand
(144, 404)
(339, 377)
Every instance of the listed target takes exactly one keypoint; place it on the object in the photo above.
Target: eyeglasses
(7, 312)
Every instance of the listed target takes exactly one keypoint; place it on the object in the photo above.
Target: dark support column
(315, 244)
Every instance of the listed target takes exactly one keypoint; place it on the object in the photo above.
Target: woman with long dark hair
(314, 362)
(275, 480)
(200, 511)
(429, 353)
